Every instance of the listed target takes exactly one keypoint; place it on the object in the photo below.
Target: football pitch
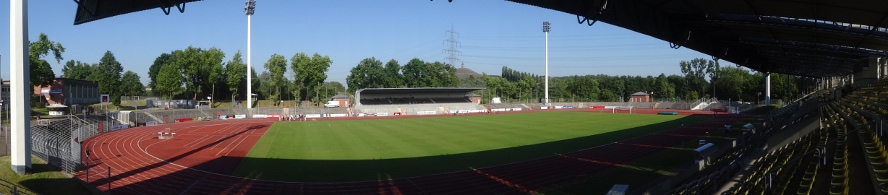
(355, 150)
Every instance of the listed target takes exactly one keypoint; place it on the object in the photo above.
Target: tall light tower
(251, 7)
(20, 124)
(546, 30)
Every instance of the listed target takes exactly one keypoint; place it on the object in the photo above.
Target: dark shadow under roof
(92, 10)
(805, 38)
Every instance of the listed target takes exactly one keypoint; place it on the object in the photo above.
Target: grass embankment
(43, 179)
(365, 149)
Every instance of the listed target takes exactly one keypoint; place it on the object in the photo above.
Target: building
(341, 99)
(64, 91)
(475, 98)
(640, 97)
(5, 95)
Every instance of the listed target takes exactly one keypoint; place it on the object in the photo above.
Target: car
(332, 104)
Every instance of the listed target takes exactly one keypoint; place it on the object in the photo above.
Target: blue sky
(492, 34)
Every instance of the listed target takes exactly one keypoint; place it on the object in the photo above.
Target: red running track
(202, 155)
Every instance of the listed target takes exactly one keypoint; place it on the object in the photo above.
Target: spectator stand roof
(640, 94)
(402, 91)
(806, 38)
(92, 10)
(374, 93)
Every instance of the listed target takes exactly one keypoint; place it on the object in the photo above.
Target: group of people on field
(299, 117)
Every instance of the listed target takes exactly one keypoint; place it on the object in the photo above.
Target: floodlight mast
(251, 7)
(20, 124)
(546, 29)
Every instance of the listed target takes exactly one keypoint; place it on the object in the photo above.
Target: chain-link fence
(51, 140)
(57, 141)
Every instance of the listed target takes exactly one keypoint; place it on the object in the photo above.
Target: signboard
(51, 91)
(426, 112)
(104, 98)
(119, 127)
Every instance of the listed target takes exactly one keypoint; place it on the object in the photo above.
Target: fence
(57, 141)
(14, 189)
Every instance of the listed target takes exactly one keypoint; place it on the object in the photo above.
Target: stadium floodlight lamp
(251, 7)
(546, 26)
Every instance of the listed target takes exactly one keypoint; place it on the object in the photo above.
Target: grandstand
(844, 154)
(416, 101)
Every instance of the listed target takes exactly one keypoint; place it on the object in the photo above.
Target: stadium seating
(849, 146)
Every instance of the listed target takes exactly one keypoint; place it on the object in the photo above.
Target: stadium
(408, 141)
(446, 145)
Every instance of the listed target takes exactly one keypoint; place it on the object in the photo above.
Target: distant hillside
(463, 73)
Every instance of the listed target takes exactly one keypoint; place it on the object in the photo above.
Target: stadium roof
(92, 10)
(806, 38)
(639, 93)
(415, 90)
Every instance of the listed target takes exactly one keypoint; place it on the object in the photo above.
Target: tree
(41, 71)
(330, 89)
(276, 66)
(107, 75)
(392, 77)
(169, 81)
(695, 71)
(558, 89)
(298, 62)
(471, 81)
(130, 84)
(585, 88)
(265, 89)
(236, 72)
(76, 70)
(365, 75)
(255, 81)
(612, 88)
(422, 74)
(783, 86)
(213, 64)
(663, 88)
(335, 88)
(499, 85)
(309, 72)
(414, 72)
(192, 65)
(682, 87)
(525, 87)
(732, 83)
(159, 62)
(444, 75)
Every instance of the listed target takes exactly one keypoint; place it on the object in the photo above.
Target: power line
(414, 49)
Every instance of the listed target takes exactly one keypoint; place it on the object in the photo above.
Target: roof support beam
(796, 23)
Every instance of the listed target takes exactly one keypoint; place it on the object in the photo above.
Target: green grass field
(44, 179)
(372, 149)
